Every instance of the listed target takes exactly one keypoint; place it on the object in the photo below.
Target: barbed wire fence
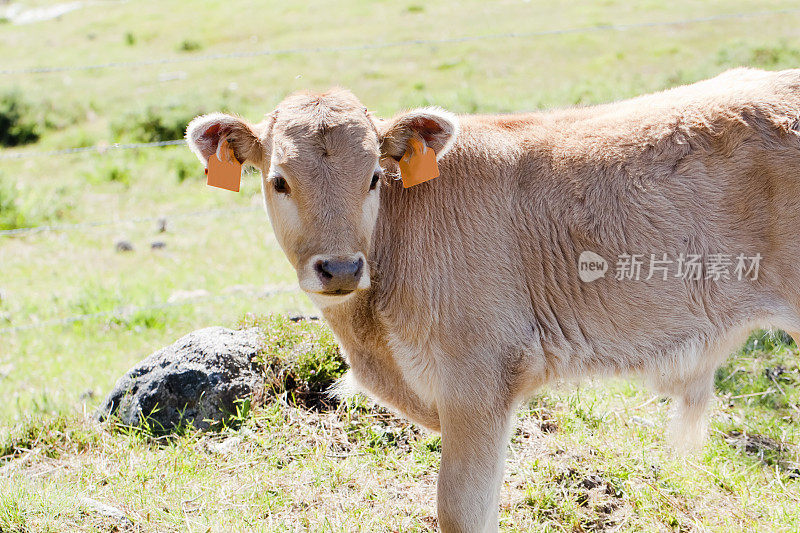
(127, 312)
(135, 220)
(98, 150)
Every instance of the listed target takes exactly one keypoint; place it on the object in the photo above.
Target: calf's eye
(280, 185)
(374, 183)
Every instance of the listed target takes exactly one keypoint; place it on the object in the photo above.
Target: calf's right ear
(437, 127)
(205, 134)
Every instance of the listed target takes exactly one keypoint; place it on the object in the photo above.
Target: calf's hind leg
(692, 387)
(688, 427)
(795, 335)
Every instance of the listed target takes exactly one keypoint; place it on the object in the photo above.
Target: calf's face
(320, 159)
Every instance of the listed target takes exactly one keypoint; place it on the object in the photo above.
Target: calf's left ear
(205, 134)
(437, 127)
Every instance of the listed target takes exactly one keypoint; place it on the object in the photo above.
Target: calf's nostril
(323, 269)
(359, 268)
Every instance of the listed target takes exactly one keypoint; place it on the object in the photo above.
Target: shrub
(18, 210)
(29, 207)
(52, 436)
(153, 124)
(18, 124)
(10, 215)
(109, 172)
(188, 45)
(186, 169)
(301, 359)
(772, 56)
(766, 340)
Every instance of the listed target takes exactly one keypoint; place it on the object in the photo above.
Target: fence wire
(97, 149)
(125, 312)
(85, 225)
(395, 44)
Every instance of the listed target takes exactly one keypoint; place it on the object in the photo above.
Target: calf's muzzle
(339, 274)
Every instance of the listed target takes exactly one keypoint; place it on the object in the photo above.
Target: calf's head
(320, 158)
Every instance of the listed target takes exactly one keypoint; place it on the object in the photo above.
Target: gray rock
(158, 245)
(123, 246)
(197, 380)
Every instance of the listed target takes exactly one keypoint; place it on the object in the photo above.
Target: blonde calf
(455, 299)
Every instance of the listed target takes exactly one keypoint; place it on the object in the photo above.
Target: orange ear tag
(227, 173)
(418, 164)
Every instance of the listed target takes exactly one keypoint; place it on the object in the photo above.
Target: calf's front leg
(474, 440)
(381, 377)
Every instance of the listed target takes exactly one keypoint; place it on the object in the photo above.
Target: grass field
(587, 457)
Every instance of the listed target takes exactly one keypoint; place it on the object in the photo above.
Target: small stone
(639, 421)
(183, 296)
(172, 76)
(123, 245)
(302, 318)
(104, 509)
(226, 447)
(5, 370)
(232, 289)
(158, 245)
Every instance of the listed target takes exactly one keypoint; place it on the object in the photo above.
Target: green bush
(10, 215)
(18, 125)
(301, 359)
(52, 436)
(109, 172)
(13, 210)
(153, 124)
(189, 45)
(21, 208)
(186, 168)
(766, 340)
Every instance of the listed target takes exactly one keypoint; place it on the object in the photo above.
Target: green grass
(583, 459)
